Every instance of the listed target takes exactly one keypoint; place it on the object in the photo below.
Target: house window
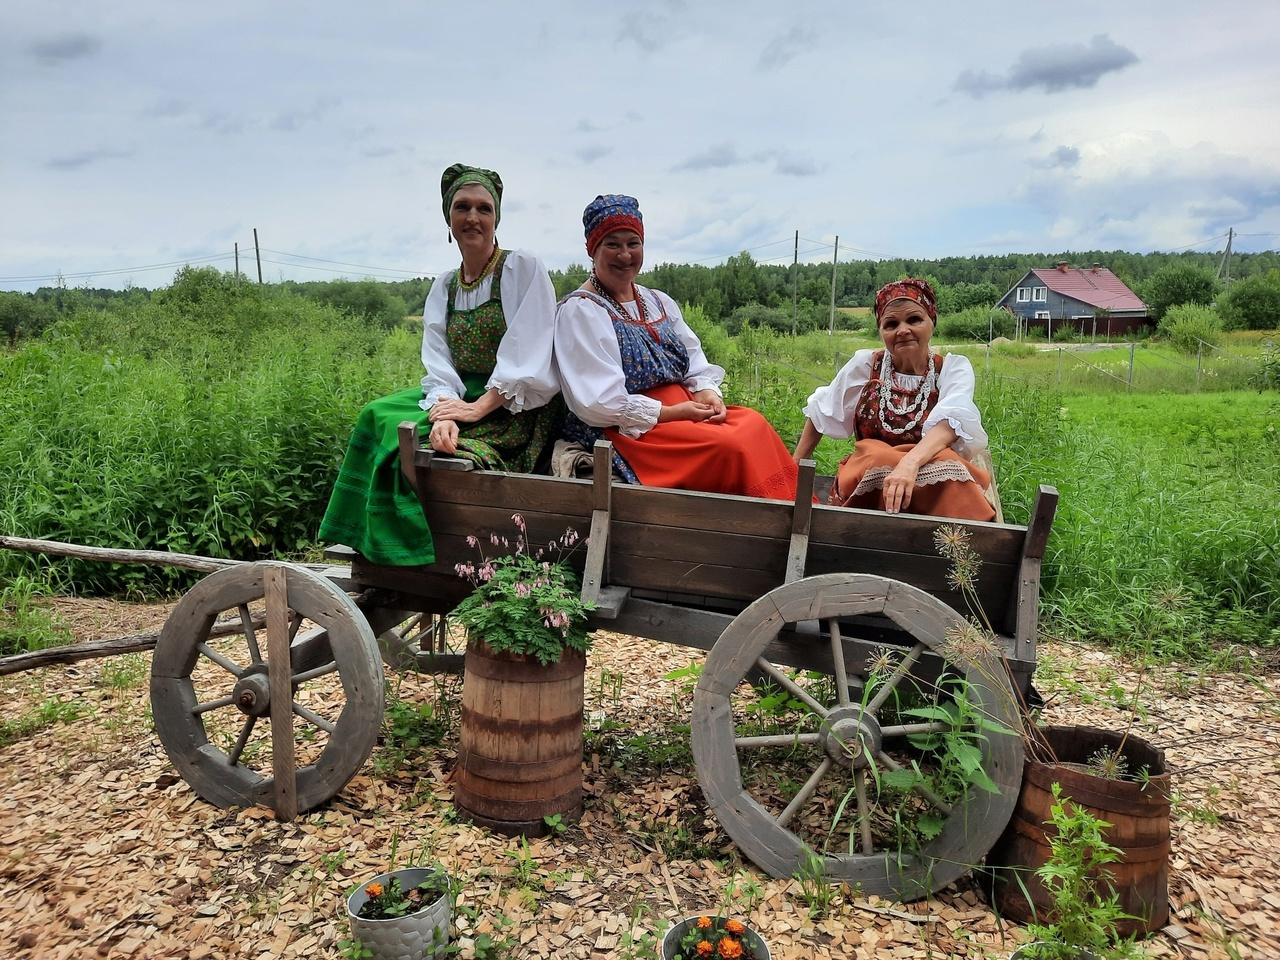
(1040, 295)
(1024, 294)
(1042, 314)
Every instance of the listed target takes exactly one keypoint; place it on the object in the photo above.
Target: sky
(142, 135)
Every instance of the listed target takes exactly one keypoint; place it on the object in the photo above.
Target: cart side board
(676, 565)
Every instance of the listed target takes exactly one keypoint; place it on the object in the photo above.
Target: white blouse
(524, 373)
(832, 408)
(589, 364)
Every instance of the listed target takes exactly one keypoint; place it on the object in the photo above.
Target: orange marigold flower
(705, 949)
(704, 923)
(374, 890)
(730, 949)
(736, 927)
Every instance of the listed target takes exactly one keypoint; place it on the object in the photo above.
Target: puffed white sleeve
(832, 408)
(442, 379)
(956, 406)
(703, 374)
(524, 373)
(590, 368)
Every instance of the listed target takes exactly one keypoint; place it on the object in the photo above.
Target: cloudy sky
(140, 135)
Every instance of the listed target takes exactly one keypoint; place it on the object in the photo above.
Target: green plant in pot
(1082, 921)
(1122, 780)
(527, 602)
(519, 759)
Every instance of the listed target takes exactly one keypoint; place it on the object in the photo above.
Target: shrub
(1186, 325)
(1252, 303)
(1176, 284)
(976, 323)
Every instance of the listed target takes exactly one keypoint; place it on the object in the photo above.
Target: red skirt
(744, 455)
(946, 486)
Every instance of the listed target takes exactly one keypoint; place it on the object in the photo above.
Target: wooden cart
(768, 588)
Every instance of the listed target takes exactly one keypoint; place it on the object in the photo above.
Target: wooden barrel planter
(1137, 811)
(520, 757)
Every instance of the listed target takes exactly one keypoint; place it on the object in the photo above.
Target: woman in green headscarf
(490, 393)
(486, 341)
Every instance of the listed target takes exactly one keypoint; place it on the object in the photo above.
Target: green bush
(1187, 325)
(210, 420)
(1252, 303)
(1177, 284)
(976, 323)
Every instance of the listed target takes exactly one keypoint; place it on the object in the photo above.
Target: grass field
(212, 420)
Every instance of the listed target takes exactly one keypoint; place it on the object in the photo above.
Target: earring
(449, 236)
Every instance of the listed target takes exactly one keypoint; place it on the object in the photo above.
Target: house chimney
(1062, 266)
(1097, 267)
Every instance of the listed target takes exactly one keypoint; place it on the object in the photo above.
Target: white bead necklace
(915, 408)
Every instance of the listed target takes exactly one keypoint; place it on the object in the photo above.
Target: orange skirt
(744, 455)
(946, 486)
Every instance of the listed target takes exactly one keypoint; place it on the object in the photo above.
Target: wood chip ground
(106, 853)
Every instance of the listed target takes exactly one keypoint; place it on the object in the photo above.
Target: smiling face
(905, 329)
(472, 218)
(617, 261)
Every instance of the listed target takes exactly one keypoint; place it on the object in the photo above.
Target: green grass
(1166, 540)
(212, 417)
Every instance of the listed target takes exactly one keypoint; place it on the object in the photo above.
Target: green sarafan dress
(503, 440)
(373, 509)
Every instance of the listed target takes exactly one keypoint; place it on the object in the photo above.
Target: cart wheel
(212, 681)
(416, 641)
(825, 795)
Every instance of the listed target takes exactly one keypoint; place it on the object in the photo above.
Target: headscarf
(909, 288)
(459, 175)
(607, 213)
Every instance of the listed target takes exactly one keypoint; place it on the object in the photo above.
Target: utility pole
(835, 257)
(1225, 262)
(237, 246)
(795, 281)
(257, 253)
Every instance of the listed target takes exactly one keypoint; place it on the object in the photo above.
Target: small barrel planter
(414, 936)
(753, 945)
(520, 750)
(1137, 811)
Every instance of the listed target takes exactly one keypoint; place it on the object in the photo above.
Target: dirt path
(105, 853)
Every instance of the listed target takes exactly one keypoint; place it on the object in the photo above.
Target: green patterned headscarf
(459, 175)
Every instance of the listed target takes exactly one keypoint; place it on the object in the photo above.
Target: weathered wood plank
(95, 649)
(280, 682)
(802, 513)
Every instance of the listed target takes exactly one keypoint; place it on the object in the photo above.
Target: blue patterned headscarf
(607, 213)
(459, 175)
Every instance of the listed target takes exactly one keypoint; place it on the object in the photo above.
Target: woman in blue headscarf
(633, 372)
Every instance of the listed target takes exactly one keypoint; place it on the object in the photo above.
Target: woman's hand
(444, 435)
(451, 408)
(693, 410)
(899, 485)
(716, 402)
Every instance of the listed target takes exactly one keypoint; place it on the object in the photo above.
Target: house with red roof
(1093, 300)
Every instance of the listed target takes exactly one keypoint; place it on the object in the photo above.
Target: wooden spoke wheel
(267, 688)
(831, 793)
(416, 641)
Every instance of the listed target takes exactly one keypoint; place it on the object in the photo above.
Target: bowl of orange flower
(712, 937)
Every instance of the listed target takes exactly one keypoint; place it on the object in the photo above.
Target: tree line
(743, 291)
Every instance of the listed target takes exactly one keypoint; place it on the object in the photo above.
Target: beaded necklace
(623, 313)
(472, 284)
(914, 408)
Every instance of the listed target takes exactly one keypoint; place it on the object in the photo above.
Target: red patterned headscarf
(607, 213)
(909, 288)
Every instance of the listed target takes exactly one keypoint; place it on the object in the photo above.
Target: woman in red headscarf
(911, 413)
(633, 372)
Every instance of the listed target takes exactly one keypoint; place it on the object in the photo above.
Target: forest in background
(743, 291)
